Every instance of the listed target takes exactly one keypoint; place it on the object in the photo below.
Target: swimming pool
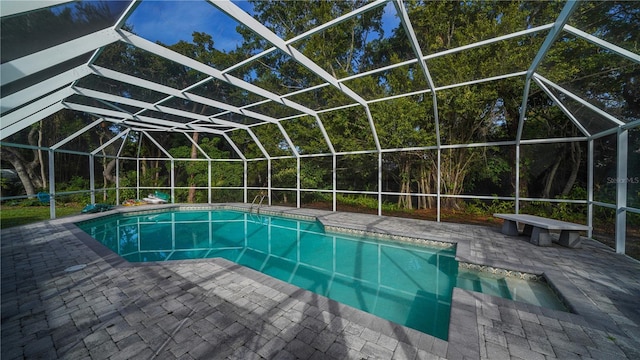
(406, 283)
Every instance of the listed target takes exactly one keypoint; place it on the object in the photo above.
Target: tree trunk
(550, 177)
(22, 170)
(31, 166)
(143, 167)
(454, 171)
(424, 187)
(404, 201)
(156, 177)
(104, 168)
(40, 160)
(108, 168)
(194, 155)
(26, 170)
(576, 159)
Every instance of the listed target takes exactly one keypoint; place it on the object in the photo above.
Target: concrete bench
(538, 229)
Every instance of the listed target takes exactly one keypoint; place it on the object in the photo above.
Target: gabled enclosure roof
(76, 65)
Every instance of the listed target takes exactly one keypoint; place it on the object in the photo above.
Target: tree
(475, 113)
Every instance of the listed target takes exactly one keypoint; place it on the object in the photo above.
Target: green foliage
(484, 208)
(315, 173)
(561, 210)
(285, 174)
(76, 183)
(366, 202)
(349, 129)
(222, 195)
(128, 180)
(195, 173)
(312, 197)
(493, 167)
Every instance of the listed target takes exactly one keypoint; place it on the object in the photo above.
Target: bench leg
(528, 230)
(510, 228)
(569, 239)
(540, 237)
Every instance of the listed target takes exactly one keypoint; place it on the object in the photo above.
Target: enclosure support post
(92, 178)
(173, 181)
(52, 185)
(209, 182)
(522, 118)
(138, 178)
(335, 183)
(621, 190)
(590, 188)
(117, 181)
(439, 184)
(298, 182)
(269, 179)
(517, 186)
(138, 167)
(379, 183)
(245, 181)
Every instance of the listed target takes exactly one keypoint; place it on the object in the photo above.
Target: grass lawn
(20, 215)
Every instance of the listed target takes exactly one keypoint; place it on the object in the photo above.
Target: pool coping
(463, 339)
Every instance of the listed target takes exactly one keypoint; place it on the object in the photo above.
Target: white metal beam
(553, 34)
(257, 141)
(602, 43)
(483, 80)
(325, 135)
(408, 28)
(111, 74)
(564, 109)
(139, 126)
(161, 51)
(76, 134)
(128, 11)
(31, 64)
(235, 147)
(161, 149)
(447, 52)
(288, 140)
(590, 172)
(243, 18)
(145, 105)
(9, 8)
(197, 146)
(315, 30)
(580, 100)
(141, 104)
(42, 88)
(15, 117)
(413, 39)
(124, 117)
(30, 120)
(621, 190)
(111, 141)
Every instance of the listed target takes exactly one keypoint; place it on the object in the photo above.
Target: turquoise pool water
(402, 282)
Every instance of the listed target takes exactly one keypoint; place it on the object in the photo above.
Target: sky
(172, 21)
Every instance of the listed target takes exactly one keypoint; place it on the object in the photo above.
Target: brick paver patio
(64, 296)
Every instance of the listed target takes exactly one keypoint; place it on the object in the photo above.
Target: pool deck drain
(214, 309)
